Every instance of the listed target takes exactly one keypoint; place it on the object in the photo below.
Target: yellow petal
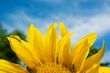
(62, 52)
(51, 41)
(36, 41)
(31, 34)
(104, 70)
(8, 67)
(81, 50)
(22, 51)
(67, 47)
(33, 52)
(94, 69)
(95, 59)
(63, 29)
(1, 71)
(34, 36)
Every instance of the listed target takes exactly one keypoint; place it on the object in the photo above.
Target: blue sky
(80, 16)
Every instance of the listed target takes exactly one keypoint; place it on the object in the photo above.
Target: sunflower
(51, 54)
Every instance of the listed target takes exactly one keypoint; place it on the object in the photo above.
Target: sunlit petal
(81, 50)
(103, 69)
(62, 50)
(22, 51)
(8, 67)
(51, 41)
(95, 59)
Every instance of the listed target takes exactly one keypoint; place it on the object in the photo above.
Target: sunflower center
(52, 68)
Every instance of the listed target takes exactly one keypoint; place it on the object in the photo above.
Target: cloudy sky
(80, 16)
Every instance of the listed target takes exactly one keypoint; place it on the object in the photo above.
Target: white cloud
(85, 25)
(106, 57)
(99, 24)
(80, 25)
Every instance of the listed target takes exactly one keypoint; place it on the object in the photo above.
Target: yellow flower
(49, 54)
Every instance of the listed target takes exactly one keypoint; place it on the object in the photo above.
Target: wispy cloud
(81, 25)
(106, 57)
(98, 21)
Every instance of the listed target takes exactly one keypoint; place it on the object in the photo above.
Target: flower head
(51, 54)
